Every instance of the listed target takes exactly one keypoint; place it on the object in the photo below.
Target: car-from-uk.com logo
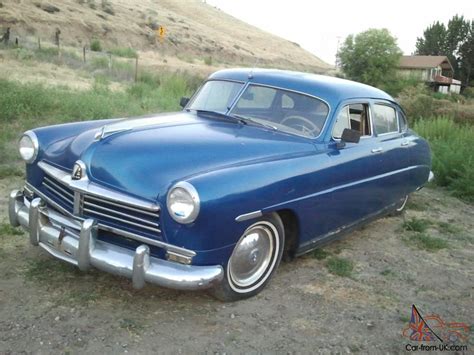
(432, 333)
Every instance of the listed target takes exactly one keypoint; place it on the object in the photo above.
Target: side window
(402, 121)
(354, 116)
(342, 122)
(385, 119)
(287, 102)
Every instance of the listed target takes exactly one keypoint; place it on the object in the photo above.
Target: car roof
(331, 89)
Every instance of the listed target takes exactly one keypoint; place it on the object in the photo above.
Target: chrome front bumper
(75, 241)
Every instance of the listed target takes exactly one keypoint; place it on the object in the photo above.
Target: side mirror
(183, 102)
(349, 136)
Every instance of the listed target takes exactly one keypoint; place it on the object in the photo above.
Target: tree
(433, 41)
(370, 57)
(454, 41)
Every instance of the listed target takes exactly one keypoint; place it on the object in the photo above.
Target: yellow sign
(161, 33)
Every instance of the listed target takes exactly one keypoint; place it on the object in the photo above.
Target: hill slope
(195, 31)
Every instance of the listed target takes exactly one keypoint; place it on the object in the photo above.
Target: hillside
(197, 33)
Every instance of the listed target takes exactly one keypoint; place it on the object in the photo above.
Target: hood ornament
(79, 170)
(105, 131)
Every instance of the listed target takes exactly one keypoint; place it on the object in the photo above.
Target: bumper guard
(75, 241)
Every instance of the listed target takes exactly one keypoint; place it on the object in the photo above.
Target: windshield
(287, 111)
(216, 95)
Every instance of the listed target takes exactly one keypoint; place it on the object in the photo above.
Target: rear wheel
(255, 258)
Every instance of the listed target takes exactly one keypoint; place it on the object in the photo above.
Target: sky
(318, 25)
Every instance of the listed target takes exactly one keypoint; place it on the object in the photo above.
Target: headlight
(183, 202)
(29, 146)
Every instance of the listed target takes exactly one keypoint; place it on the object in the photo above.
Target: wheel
(400, 207)
(254, 259)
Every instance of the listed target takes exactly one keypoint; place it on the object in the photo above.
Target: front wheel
(255, 258)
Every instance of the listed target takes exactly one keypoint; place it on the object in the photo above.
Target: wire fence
(120, 64)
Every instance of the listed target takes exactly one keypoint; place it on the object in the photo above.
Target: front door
(356, 191)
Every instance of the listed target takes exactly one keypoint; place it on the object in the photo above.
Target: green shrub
(416, 225)
(99, 63)
(396, 86)
(124, 52)
(469, 92)
(208, 60)
(453, 155)
(426, 242)
(96, 46)
(420, 102)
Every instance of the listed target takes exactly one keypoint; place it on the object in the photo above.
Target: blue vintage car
(260, 164)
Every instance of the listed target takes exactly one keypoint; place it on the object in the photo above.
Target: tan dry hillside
(196, 31)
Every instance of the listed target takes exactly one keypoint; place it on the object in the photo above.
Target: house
(434, 70)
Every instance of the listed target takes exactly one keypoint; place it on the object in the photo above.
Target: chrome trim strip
(89, 197)
(85, 186)
(126, 234)
(120, 213)
(49, 181)
(121, 220)
(250, 215)
(56, 193)
(339, 187)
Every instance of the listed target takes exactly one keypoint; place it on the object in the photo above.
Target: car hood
(144, 156)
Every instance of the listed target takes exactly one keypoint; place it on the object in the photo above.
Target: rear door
(393, 146)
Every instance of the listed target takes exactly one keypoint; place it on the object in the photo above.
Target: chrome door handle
(405, 143)
(377, 150)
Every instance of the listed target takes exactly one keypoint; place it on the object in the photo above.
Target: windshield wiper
(249, 119)
(222, 115)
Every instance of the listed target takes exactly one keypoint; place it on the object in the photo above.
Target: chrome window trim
(323, 128)
(369, 111)
(126, 234)
(401, 114)
(381, 103)
(90, 188)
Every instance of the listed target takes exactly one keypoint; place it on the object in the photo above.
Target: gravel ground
(47, 306)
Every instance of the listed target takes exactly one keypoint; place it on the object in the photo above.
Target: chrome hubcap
(252, 256)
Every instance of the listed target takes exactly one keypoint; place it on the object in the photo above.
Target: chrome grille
(59, 192)
(105, 211)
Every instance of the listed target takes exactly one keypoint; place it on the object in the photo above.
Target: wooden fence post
(84, 53)
(39, 43)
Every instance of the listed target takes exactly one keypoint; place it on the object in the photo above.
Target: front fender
(228, 193)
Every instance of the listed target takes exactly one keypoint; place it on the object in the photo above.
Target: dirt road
(425, 258)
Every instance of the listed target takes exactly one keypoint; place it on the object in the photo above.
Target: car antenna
(254, 67)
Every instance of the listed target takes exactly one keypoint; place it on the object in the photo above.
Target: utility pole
(337, 63)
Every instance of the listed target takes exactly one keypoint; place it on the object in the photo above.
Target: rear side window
(385, 119)
(403, 121)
